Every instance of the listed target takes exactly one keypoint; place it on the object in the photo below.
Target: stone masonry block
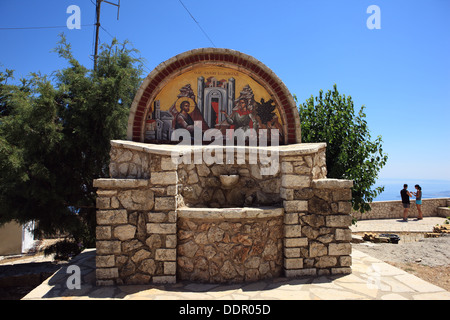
(165, 203)
(287, 167)
(164, 178)
(162, 228)
(157, 217)
(291, 218)
(171, 241)
(103, 203)
(167, 164)
(108, 247)
(136, 199)
(317, 249)
(287, 194)
(292, 252)
(345, 261)
(292, 231)
(332, 184)
(342, 195)
(107, 273)
(294, 263)
(164, 279)
(106, 193)
(326, 262)
(105, 261)
(342, 270)
(120, 183)
(339, 249)
(125, 232)
(170, 268)
(345, 207)
(103, 232)
(300, 272)
(295, 181)
(166, 255)
(343, 235)
(295, 242)
(340, 221)
(295, 206)
(111, 217)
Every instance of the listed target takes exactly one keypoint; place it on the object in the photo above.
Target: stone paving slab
(371, 279)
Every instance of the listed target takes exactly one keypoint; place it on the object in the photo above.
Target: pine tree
(55, 139)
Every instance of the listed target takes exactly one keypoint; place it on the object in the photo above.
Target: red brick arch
(186, 61)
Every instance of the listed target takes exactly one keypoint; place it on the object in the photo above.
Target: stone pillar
(295, 175)
(329, 226)
(317, 217)
(136, 227)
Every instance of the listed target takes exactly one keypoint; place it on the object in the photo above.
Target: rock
(228, 271)
(125, 232)
(357, 239)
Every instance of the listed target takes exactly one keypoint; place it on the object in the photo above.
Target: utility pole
(97, 25)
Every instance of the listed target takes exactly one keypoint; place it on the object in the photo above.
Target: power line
(198, 24)
(131, 52)
(49, 27)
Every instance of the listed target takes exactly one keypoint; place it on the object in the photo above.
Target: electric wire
(35, 28)
(131, 52)
(198, 24)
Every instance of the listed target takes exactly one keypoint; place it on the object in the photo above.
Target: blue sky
(401, 72)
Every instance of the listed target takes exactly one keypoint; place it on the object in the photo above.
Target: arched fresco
(217, 88)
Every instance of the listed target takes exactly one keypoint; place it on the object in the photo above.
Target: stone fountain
(160, 219)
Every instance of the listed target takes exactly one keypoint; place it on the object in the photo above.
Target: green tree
(350, 153)
(55, 139)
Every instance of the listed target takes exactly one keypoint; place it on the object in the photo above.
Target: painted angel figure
(241, 117)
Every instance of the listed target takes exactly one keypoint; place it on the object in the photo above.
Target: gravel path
(427, 251)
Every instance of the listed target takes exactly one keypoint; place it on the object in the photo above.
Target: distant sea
(430, 188)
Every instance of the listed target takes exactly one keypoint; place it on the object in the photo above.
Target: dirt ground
(428, 258)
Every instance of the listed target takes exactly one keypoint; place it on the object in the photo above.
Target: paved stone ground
(371, 279)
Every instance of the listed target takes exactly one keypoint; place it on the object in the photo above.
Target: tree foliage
(350, 153)
(55, 139)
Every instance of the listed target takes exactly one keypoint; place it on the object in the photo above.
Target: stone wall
(200, 186)
(237, 245)
(394, 209)
(148, 230)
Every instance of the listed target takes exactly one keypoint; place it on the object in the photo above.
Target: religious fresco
(217, 97)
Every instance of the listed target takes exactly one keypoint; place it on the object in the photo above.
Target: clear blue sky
(401, 72)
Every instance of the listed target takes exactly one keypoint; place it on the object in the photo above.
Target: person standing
(418, 196)
(405, 194)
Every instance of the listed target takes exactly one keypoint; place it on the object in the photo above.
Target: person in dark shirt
(405, 194)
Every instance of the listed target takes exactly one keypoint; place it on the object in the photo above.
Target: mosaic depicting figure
(241, 117)
(183, 120)
(208, 96)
